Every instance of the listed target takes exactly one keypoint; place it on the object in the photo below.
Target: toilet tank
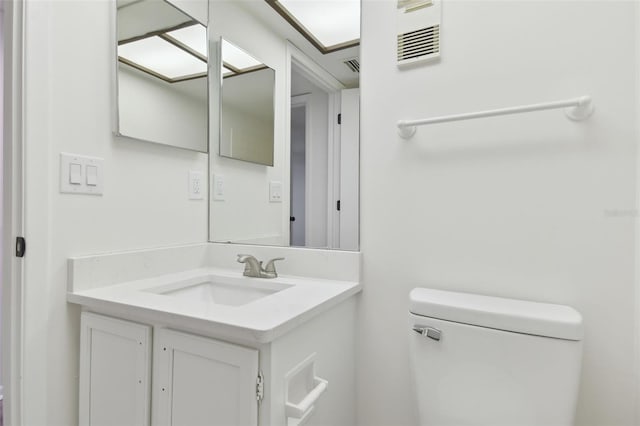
(479, 360)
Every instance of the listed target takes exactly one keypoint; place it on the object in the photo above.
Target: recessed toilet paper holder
(302, 390)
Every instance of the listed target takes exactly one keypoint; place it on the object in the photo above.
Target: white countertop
(262, 320)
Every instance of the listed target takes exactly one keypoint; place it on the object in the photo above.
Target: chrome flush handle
(430, 332)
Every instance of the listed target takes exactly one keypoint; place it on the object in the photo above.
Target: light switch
(75, 174)
(275, 191)
(218, 187)
(80, 174)
(92, 175)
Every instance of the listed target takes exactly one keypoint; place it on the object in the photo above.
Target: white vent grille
(353, 64)
(419, 45)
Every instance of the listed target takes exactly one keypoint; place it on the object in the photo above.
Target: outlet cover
(218, 188)
(196, 185)
(275, 191)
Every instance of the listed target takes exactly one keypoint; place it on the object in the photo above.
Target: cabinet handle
(298, 411)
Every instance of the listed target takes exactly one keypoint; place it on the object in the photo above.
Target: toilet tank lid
(520, 316)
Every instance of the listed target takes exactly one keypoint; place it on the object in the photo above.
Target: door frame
(321, 78)
(298, 101)
(12, 212)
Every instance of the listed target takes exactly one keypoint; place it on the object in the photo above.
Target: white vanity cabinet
(202, 381)
(196, 380)
(115, 371)
(187, 374)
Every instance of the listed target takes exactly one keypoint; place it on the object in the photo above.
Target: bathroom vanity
(207, 345)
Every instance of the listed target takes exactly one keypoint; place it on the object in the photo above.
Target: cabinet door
(115, 369)
(200, 381)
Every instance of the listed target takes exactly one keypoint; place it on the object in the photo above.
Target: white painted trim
(636, 367)
(333, 172)
(13, 208)
(115, 89)
(311, 70)
(325, 81)
(38, 190)
(296, 101)
(349, 215)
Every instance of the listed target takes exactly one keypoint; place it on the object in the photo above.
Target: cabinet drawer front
(115, 368)
(202, 381)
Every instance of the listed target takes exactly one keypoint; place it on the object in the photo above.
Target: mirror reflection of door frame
(302, 101)
(321, 78)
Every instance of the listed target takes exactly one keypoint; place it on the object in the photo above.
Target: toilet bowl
(479, 360)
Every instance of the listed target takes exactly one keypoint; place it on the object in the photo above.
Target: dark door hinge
(21, 246)
(339, 118)
(260, 387)
(338, 205)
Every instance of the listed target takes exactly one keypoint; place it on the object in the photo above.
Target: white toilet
(479, 360)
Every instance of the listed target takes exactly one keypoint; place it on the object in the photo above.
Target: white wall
(530, 206)
(154, 110)
(247, 117)
(246, 215)
(145, 201)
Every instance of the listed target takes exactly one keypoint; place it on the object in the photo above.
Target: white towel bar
(576, 109)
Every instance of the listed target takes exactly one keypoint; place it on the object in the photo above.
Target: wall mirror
(161, 74)
(307, 195)
(247, 106)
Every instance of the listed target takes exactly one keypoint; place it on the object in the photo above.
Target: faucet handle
(252, 267)
(271, 267)
(242, 258)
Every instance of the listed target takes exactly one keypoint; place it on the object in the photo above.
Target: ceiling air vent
(353, 64)
(418, 31)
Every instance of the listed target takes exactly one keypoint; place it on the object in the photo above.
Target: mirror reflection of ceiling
(237, 61)
(160, 40)
(328, 25)
(334, 61)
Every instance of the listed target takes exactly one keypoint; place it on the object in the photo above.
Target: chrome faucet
(253, 267)
(269, 271)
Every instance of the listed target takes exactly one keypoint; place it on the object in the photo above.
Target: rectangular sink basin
(225, 291)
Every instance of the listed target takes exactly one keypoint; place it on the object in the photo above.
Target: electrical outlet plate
(196, 185)
(217, 194)
(275, 191)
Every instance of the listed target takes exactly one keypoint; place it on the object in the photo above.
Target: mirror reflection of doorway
(324, 164)
(310, 198)
(298, 169)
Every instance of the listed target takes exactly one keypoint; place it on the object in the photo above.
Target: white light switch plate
(218, 188)
(73, 174)
(275, 191)
(196, 185)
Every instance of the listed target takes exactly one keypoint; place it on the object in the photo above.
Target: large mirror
(306, 191)
(247, 107)
(162, 74)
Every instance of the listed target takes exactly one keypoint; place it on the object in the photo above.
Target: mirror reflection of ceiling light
(328, 24)
(162, 57)
(194, 37)
(237, 58)
(176, 54)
